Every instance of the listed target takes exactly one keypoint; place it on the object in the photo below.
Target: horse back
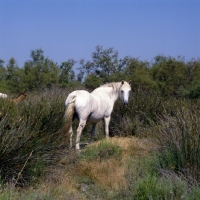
(81, 96)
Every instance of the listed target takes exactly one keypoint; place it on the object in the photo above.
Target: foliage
(138, 116)
(179, 136)
(30, 143)
(164, 105)
(29, 134)
(140, 74)
(37, 73)
(40, 72)
(104, 67)
(66, 73)
(166, 76)
(171, 75)
(104, 150)
(194, 92)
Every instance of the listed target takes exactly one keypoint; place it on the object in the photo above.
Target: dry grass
(107, 174)
(132, 145)
(59, 184)
(110, 174)
(66, 179)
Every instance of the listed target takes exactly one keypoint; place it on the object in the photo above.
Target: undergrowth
(29, 136)
(104, 150)
(32, 139)
(179, 137)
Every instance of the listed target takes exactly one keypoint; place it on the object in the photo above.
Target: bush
(29, 136)
(104, 150)
(152, 187)
(146, 181)
(179, 138)
(194, 194)
(140, 114)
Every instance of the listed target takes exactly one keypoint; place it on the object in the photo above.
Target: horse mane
(112, 84)
(21, 94)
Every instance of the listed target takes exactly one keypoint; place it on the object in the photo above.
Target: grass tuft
(104, 150)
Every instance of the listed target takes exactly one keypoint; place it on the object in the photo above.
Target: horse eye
(122, 91)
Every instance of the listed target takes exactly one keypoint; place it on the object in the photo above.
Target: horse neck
(114, 93)
(19, 98)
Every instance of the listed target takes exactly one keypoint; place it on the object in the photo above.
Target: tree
(170, 75)
(104, 63)
(14, 77)
(104, 67)
(37, 55)
(40, 72)
(67, 74)
(140, 74)
(194, 78)
(3, 73)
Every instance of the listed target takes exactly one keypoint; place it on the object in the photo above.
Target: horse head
(125, 91)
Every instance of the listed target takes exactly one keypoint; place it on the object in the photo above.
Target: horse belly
(94, 118)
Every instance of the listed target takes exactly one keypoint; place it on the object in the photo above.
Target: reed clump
(179, 137)
(29, 136)
(154, 155)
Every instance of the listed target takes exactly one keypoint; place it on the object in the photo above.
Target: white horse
(93, 107)
(4, 96)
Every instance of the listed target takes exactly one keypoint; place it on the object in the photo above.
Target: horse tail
(69, 112)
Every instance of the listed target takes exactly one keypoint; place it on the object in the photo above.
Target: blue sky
(66, 29)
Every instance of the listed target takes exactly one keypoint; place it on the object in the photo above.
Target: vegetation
(153, 151)
(166, 76)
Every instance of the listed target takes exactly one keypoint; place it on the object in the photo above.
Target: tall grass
(173, 122)
(144, 181)
(179, 137)
(29, 136)
(104, 150)
(138, 116)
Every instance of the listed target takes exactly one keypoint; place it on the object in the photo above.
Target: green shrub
(194, 194)
(138, 116)
(194, 92)
(145, 180)
(29, 136)
(151, 187)
(104, 150)
(179, 137)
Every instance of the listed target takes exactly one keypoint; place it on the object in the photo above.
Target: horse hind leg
(81, 125)
(92, 132)
(70, 135)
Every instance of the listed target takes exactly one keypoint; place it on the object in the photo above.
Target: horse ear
(122, 82)
(129, 82)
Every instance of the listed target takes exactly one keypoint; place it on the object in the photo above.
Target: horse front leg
(81, 125)
(107, 121)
